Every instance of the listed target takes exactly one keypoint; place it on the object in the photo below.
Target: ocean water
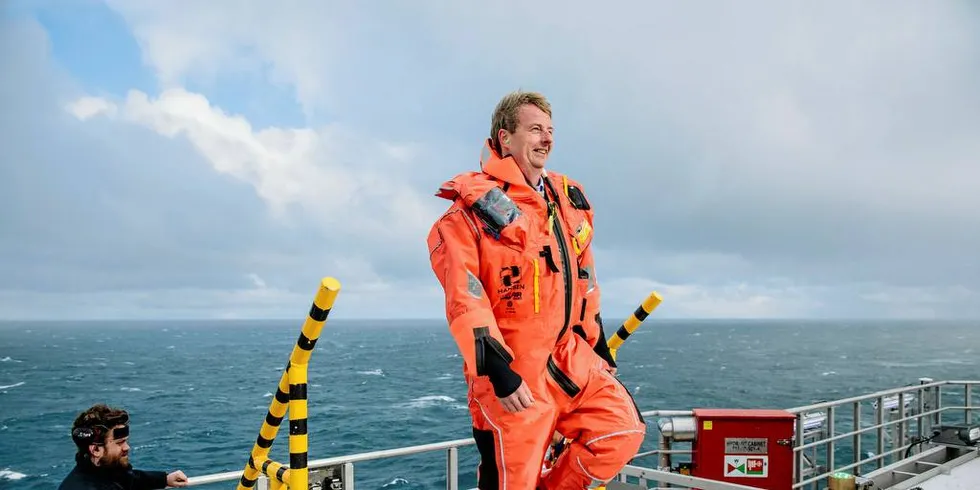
(198, 391)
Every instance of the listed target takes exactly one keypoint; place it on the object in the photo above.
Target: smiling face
(531, 141)
(521, 128)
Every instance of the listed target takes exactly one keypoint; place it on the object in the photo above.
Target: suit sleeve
(453, 254)
(148, 480)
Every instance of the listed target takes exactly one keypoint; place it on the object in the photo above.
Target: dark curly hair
(99, 419)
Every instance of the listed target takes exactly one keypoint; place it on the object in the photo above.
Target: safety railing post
(348, 476)
(798, 450)
(880, 420)
(968, 398)
(857, 438)
(902, 426)
(831, 429)
(633, 322)
(291, 395)
(920, 408)
(452, 468)
(298, 437)
(928, 404)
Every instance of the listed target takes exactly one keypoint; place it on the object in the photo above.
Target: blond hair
(505, 114)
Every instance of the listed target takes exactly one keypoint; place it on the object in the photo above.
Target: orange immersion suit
(522, 303)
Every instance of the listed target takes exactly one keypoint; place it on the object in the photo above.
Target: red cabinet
(747, 447)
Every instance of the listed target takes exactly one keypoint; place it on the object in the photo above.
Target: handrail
(677, 480)
(906, 415)
(393, 452)
(346, 459)
(869, 396)
(869, 428)
(668, 413)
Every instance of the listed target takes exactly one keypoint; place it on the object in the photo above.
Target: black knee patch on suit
(489, 477)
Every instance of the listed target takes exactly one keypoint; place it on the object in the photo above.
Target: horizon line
(443, 320)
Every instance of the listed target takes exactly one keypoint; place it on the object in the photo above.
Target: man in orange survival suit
(513, 255)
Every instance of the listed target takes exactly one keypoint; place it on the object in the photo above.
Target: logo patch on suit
(511, 289)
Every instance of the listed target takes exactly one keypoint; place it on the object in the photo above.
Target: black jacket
(86, 476)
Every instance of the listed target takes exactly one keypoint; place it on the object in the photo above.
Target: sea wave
(9, 474)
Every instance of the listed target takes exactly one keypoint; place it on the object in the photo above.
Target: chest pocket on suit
(577, 198)
(501, 218)
(581, 234)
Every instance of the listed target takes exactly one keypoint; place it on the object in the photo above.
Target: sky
(781, 159)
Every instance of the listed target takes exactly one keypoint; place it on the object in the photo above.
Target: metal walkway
(938, 468)
(963, 477)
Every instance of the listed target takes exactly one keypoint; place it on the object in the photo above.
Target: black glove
(491, 361)
(504, 380)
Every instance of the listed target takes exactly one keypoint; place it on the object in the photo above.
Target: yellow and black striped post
(277, 473)
(633, 322)
(298, 436)
(267, 434)
(291, 394)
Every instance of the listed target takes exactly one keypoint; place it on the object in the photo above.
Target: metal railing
(644, 476)
(343, 467)
(340, 469)
(899, 421)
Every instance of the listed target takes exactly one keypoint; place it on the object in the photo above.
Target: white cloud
(737, 300)
(784, 299)
(336, 176)
(922, 295)
(193, 41)
(769, 103)
(262, 302)
(256, 280)
(761, 160)
(86, 107)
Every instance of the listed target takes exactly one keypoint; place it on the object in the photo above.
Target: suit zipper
(482, 338)
(564, 382)
(566, 267)
(565, 262)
